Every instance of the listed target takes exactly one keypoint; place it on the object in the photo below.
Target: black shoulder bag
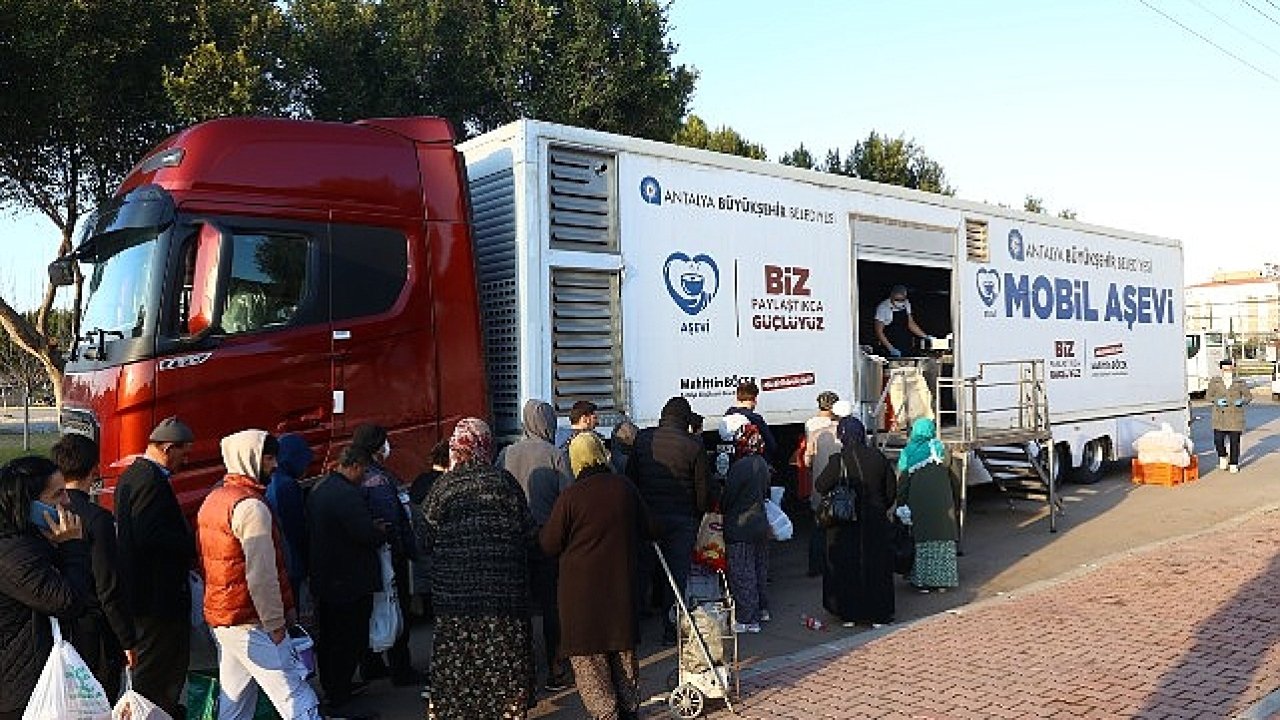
(837, 506)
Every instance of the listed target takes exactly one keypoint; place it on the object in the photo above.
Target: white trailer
(627, 271)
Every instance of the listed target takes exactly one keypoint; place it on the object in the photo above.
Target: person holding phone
(43, 564)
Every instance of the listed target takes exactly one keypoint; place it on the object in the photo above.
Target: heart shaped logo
(691, 281)
(988, 286)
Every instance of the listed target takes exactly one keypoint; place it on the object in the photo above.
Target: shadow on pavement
(1230, 648)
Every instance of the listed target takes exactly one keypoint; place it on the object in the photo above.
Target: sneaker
(739, 628)
(765, 616)
(1233, 469)
(1222, 463)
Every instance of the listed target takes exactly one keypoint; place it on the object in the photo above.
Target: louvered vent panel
(494, 230)
(581, 196)
(586, 345)
(977, 248)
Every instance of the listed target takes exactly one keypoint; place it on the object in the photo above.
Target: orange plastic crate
(1164, 474)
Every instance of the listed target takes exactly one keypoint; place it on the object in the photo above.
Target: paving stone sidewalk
(1183, 629)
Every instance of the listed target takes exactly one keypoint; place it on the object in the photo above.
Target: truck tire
(1092, 462)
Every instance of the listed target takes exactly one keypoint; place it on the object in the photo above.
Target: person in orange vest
(247, 596)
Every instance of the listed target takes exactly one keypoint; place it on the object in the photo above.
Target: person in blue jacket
(285, 497)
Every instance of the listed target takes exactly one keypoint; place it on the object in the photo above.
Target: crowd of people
(554, 526)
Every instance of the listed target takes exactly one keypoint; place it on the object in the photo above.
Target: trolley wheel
(673, 679)
(686, 701)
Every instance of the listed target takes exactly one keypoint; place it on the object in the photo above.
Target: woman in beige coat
(1227, 396)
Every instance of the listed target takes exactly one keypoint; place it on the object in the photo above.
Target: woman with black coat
(858, 583)
(44, 566)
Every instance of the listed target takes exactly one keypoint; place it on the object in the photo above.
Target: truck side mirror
(209, 281)
(62, 272)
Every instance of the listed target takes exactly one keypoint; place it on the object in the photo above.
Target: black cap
(581, 409)
(171, 430)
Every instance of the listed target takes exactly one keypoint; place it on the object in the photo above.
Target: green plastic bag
(202, 698)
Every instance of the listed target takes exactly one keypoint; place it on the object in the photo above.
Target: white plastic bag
(386, 622)
(66, 689)
(779, 524)
(132, 706)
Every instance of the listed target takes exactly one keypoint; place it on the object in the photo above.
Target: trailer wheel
(1091, 463)
(686, 701)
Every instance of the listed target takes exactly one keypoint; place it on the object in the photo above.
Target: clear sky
(1104, 107)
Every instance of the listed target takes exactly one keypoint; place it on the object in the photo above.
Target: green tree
(800, 157)
(604, 64)
(1033, 204)
(897, 161)
(1067, 214)
(81, 98)
(695, 133)
(237, 62)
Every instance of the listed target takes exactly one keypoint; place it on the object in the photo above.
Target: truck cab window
(267, 282)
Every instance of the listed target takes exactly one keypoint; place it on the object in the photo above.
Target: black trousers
(544, 576)
(1222, 439)
(100, 650)
(342, 638)
(164, 650)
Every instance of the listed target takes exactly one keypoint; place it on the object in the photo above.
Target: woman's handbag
(838, 506)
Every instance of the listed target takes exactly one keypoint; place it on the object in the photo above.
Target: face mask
(386, 449)
(38, 509)
(898, 304)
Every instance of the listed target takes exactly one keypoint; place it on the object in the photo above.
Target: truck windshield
(119, 287)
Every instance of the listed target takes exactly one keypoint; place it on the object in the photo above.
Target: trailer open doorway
(929, 293)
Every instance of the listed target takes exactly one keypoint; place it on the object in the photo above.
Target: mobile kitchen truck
(302, 276)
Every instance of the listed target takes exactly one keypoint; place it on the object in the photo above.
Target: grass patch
(11, 445)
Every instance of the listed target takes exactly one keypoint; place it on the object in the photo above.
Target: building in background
(1244, 305)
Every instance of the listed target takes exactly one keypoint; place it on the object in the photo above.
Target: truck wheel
(1091, 463)
(1061, 461)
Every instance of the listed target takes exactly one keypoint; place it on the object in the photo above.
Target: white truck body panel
(732, 268)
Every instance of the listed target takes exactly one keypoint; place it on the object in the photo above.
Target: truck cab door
(263, 357)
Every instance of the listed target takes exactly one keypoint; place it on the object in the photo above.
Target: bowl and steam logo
(691, 281)
(988, 286)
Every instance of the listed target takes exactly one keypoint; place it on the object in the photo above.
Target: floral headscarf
(923, 447)
(471, 442)
(748, 441)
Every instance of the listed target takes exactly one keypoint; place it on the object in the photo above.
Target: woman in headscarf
(746, 528)
(925, 487)
(596, 527)
(479, 532)
(44, 572)
(857, 585)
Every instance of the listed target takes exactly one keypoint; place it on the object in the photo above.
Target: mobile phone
(38, 510)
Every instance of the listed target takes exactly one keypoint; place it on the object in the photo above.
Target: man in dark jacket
(104, 634)
(345, 572)
(542, 471)
(671, 469)
(389, 503)
(157, 549)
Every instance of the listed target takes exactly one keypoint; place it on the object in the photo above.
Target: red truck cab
(294, 276)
